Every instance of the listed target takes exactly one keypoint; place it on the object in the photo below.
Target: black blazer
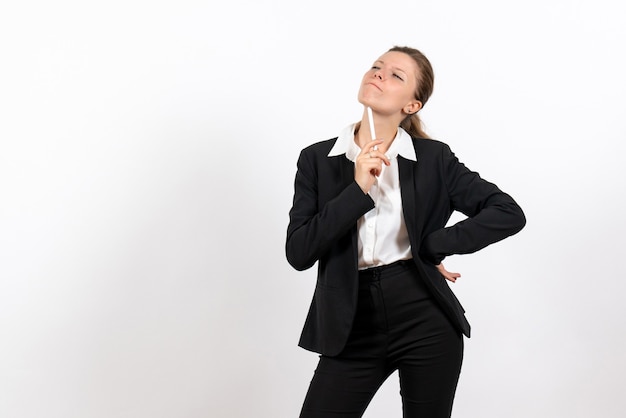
(328, 202)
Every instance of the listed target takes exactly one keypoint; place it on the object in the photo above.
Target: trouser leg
(428, 386)
(342, 388)
(424, 346)
(344, 385)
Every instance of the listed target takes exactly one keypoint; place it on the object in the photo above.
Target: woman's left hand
(448, 275)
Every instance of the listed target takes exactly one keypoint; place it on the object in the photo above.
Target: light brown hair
(425, 84)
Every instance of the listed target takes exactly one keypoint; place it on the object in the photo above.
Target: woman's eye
(375, 67)
(398, 77)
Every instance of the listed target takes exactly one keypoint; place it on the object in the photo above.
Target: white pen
(370, 118)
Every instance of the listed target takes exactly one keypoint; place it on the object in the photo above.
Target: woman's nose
(378, 74)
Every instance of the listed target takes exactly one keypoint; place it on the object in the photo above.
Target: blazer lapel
(408, 190)
(346, 168)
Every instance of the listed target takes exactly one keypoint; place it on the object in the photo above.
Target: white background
(147, 155)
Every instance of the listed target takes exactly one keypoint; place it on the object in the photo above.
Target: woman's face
(389, 86)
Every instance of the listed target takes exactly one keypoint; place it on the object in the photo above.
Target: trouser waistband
(376, 273)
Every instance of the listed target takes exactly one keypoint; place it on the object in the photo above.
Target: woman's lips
(375, 85)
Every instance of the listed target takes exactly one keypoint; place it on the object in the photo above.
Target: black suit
(322, 228)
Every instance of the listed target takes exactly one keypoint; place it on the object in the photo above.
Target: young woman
(372, 214)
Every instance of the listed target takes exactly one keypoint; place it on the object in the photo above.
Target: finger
(370, 145)
(374, 169)
(379, 155)
(385, 159)
(451, 277)
(370, 165)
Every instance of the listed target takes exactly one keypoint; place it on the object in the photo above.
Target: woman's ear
(412, 107)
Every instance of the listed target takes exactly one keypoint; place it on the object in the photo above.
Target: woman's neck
(386, 130)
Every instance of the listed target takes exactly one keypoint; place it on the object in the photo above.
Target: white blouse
(383, 237)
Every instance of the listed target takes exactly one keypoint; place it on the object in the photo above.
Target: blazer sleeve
(315, 224)
(492, 215)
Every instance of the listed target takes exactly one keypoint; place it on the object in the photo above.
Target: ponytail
(412, 124)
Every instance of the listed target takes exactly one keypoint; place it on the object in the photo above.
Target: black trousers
(398, 326)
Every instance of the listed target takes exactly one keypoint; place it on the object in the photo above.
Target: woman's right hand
(369, 164)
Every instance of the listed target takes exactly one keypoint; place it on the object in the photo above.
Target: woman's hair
(425, 84)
